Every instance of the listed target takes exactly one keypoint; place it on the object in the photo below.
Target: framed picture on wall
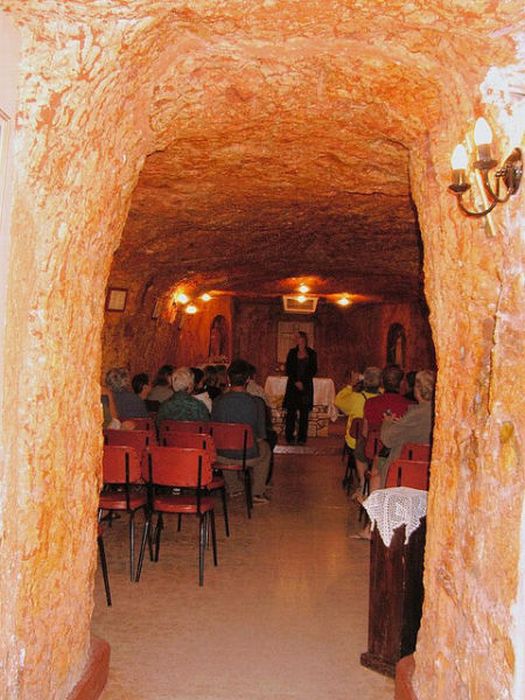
(116, 299)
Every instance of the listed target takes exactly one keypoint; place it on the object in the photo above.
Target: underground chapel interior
(149, 149)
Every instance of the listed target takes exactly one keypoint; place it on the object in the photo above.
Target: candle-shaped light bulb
(483, 139)
(459, 164)
(482, 132)
(459, 158)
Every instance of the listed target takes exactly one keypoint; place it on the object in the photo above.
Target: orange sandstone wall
(471, 640)
(134, 340)
(77, 162)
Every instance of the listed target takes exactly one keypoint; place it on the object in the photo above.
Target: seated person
(414, 426)
(127, 403)
(256, 389)
(211, 381)
(182, 406)
(109, 410)
(355, 405)
(162, 390)
(354, 383)
(140, 385)
(237, 406)
(199, 390)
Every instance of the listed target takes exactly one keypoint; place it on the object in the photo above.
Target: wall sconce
(182, 298)
(343, 301)
(301, 298)
(304, 288)
(510, 172)
(206, 296)
(191, 309)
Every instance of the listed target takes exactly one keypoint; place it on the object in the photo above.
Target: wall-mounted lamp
(206, 296)
(510, 172)
(343, 301)
(301, 298)
(191, 309)
(304, 288)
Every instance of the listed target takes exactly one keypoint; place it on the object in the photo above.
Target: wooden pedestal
(396, 598)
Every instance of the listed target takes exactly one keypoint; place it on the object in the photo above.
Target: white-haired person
(415, 426)
(182, 405)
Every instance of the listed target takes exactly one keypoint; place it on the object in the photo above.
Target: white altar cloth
(324, 392)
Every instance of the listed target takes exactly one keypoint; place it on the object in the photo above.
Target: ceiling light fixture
(182, 298)
(206, 296)
(191, 309)
(304, 288)
(510, 172)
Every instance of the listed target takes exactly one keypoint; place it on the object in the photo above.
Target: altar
(323, 410)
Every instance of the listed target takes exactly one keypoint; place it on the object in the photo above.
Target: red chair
(138, 439)
(373, 445)
(191, 471)
(103, 564)
(202, 442)
(419, 452)
(121, 469)
(143, 424)
(237, 437)
(408, 472)
(183, 426)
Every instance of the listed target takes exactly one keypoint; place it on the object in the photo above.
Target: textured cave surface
(236, 145)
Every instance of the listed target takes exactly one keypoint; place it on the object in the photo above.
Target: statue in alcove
(218, 337)
(396, 345)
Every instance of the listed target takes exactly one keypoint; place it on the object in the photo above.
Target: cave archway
(83, 134)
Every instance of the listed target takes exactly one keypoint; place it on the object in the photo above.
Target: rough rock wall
(344, 338)
(77, 162)
(475, 289)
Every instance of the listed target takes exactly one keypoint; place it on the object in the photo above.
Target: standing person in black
(301, 368)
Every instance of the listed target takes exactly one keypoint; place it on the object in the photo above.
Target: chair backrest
(139, 439)
(143, 423)
(120, 465)
(408, 472)
(182, 467)
(417, 451)
(183, 426)
(199, 441)
(373, 444)
(232, 436)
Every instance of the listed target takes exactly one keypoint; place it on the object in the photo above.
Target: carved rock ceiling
(282, 135)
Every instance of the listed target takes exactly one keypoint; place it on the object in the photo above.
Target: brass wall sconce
(509, 173)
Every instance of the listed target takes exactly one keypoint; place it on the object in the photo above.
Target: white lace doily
(390, 508)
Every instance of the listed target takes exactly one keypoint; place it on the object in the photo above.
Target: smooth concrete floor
(283, 616)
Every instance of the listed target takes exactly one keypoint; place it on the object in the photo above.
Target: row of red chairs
(138, 472)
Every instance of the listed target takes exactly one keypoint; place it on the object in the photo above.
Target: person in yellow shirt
(351, 400)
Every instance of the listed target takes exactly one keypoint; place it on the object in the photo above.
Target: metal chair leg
(156, 537)
(145, 540)
(202, 545)
(248, 491)
(131, 546)
(104, 566)
(213, 537)
(225, 511)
